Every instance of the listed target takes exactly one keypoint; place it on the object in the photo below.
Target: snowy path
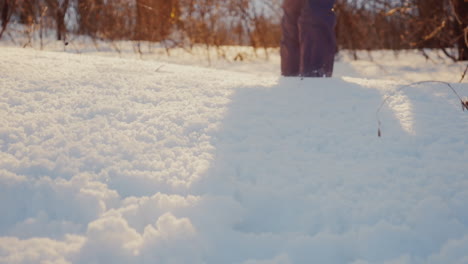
(106, 160)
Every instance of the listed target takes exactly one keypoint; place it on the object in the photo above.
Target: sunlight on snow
(117, 160)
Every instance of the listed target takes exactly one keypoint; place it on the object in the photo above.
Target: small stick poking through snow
(463, 75)
(160, 67)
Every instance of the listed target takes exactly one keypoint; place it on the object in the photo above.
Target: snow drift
(108, 160)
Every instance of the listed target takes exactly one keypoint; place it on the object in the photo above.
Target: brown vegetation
(361, 25)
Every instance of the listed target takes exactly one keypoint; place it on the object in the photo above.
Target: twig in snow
(464, 103)
(160, 67)
(464, 73)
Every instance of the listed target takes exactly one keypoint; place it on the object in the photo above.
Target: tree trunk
(5, 16)
(60, 20)
(90, 16)
(460, 7)
(59, 10)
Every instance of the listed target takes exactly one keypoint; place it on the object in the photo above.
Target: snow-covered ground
(108, 158)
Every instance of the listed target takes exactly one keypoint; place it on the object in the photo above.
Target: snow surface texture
(111, 160)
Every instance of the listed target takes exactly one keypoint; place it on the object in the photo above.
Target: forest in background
(362, 25)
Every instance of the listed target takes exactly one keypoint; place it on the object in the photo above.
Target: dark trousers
(308, 45)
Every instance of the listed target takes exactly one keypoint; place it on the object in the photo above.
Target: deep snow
(122, 160)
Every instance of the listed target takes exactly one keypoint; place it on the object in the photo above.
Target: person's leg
(317, 38)
(290, 49)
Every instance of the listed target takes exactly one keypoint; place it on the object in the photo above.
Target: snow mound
(107, 160)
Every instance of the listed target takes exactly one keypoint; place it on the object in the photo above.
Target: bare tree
(155, 18)
(6, 12)
(59, 9)
(90, 14)
(460, 10)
